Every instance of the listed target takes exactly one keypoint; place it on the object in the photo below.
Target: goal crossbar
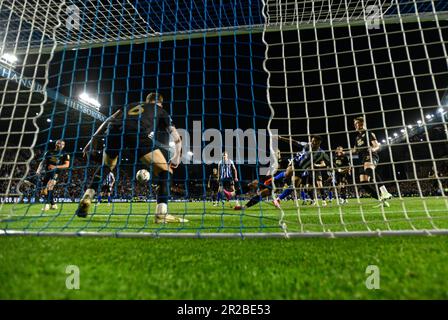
(240, 30)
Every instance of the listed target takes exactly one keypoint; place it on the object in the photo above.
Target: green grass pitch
(308, 268)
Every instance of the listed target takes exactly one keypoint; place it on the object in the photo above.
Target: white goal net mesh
(385, 61)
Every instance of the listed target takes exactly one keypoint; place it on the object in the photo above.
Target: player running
(367, 148)
(145, 129)
(53, 161)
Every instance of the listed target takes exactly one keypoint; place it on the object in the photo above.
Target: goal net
(385, 61)
(254, 80)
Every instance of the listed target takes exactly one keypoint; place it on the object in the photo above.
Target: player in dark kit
(213, 186)
(311, 157)
(261, 187)
(53, 161)
(261, 190)
(367, 148)
(342, 172)
(301, 163)
(145, 130)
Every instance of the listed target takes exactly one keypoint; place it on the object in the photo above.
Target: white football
(142, 176)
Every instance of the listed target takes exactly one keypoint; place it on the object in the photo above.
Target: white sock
(161, 209)
(383, 189)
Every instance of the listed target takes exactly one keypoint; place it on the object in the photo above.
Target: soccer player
(306, 192)
(262, 189)
(342, 171)
(367, 148)
(53, 161)
(106, 189)
(145, 129)
(228, 175)
(301, 162)
(312, 156)
(213, 186)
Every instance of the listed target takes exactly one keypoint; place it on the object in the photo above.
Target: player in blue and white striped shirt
(312, 157)
(228, 175)
(106, 189)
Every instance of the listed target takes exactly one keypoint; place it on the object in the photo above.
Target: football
(142, 176)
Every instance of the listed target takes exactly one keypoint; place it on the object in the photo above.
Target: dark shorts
(50, 175)
(341, 177)
(138, 144)
(227, 183)
(375, 159)
(214, 186)
(306, 178)
(106, 188)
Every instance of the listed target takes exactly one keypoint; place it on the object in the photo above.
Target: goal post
(257, 79)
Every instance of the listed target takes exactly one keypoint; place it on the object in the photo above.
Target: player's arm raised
(175, 160)
(91, 145)
(297, 143)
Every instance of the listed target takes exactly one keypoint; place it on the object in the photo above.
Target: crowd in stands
(71, 183)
